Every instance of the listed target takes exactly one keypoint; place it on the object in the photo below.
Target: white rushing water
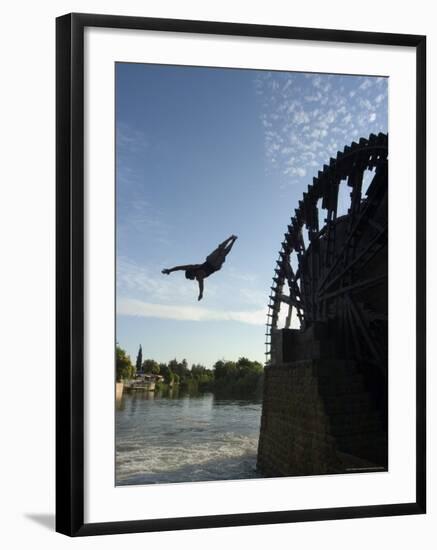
(163, 440)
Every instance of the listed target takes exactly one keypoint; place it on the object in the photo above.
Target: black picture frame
(70, 273)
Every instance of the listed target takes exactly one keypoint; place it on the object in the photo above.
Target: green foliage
(161, 386)
(166, 372)
(201, 374)
(124, 368)
(151, 367)
(237, 378)
(224, 369)
(246, 367)
(181, 369)
(240, 378)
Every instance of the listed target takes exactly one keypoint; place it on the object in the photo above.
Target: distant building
(144, 381)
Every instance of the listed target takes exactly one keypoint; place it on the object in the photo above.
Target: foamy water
(163, 440)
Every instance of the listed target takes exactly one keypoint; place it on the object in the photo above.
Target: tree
(201, 374)
(165, 371)
(245, 367)
(173, 365)
(198, 370)
(123, 364)
(224, 369)
(139, 361)
(181, 369)
(245, 377)
(150, 366)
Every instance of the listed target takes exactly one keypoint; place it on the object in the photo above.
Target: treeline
(226, 377)
(238, 377)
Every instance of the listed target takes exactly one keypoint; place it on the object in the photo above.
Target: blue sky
(203, 153)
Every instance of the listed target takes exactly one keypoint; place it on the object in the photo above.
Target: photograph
(215, 275)
(251, 252)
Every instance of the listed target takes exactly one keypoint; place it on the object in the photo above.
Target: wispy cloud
(143, 291)
(307, 118)
(138, 308)
(134, 279)
(136, 215)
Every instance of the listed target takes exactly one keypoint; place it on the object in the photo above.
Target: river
(164, 439)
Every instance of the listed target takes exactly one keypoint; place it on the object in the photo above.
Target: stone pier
(319, 413)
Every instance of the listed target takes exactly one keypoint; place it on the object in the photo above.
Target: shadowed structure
(325, 393)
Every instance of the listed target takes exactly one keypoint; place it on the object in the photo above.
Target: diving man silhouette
(213, 263)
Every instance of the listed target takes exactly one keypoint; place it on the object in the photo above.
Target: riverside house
(144, 382)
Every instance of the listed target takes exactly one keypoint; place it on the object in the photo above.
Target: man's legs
(229, 241)
(218, 256)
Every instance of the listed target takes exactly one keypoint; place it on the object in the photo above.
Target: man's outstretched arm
(179, 268)
(200, 281)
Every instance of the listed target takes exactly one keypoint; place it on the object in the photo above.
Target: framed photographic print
(240, 274)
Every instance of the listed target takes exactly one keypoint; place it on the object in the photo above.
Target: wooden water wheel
(332, 266)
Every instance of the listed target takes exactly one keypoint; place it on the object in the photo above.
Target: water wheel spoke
(290, 301)
(364, 256)
(328, 267)
(352, 330)
(366, 283)
(360, 225)
(364, 329)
